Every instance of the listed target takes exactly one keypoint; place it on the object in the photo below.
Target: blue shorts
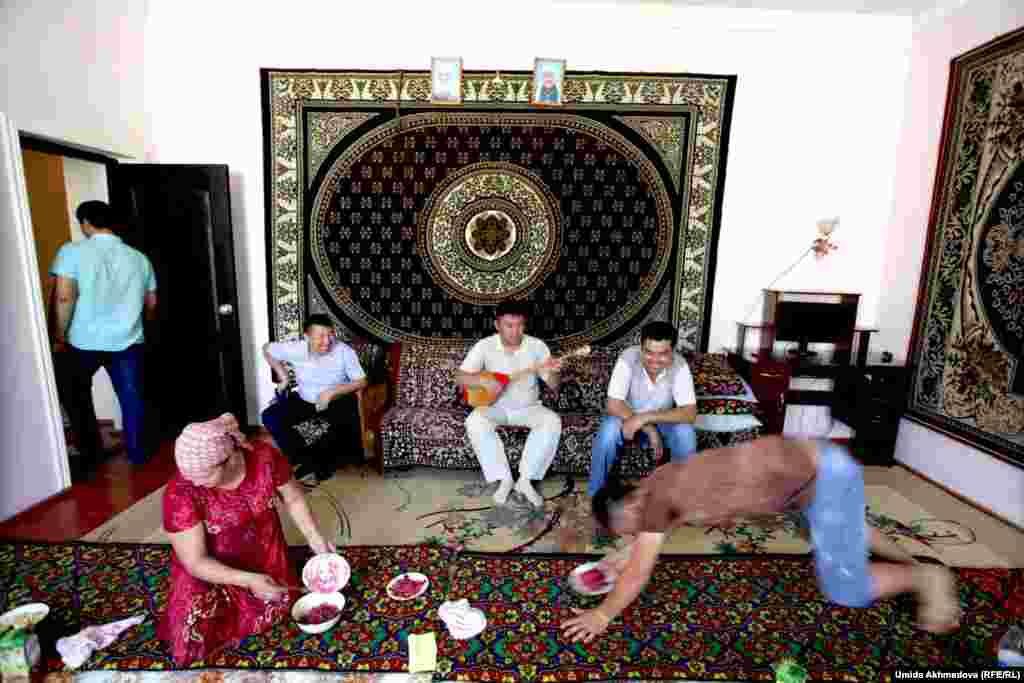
(839, 531)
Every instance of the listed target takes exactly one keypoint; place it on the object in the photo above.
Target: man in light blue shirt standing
(327, 375)
(103, 289)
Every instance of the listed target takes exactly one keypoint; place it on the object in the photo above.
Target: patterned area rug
(455, 509)
(715, 618)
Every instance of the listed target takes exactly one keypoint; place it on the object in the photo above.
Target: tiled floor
(115, 486)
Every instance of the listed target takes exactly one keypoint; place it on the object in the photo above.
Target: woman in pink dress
(230, 575)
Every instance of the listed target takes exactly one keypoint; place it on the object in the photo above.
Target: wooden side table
(372, 405)
(769, 380)
(871, 401)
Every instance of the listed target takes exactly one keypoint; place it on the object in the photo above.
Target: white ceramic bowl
(576, 579)
(326, 573)
(424, 581)
(311, 600)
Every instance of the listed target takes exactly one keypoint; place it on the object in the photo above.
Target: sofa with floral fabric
(424, 424)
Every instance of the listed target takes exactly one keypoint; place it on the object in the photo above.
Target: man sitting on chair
(650, 395)
(328, 375)
(509, 351)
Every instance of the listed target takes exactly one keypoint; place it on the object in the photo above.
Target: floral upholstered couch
(424, 425)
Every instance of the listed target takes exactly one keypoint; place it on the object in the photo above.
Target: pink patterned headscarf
(204, 445)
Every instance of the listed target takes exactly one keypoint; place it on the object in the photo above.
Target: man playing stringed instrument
(523, 359)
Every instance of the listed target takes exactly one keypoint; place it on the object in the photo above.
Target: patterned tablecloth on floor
(721, 618)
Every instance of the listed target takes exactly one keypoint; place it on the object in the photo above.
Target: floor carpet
(455, 508)
(727, 617)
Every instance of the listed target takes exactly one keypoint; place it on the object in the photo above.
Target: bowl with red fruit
(320, 609)
(318, 612)
(407, 586)
(592, 578)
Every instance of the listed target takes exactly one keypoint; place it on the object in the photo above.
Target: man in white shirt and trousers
(650, 396)
(510, 351)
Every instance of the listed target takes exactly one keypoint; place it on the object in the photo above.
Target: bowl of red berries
(407, 586)
(318, 612)
(592, 578)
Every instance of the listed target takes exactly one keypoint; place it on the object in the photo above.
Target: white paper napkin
(74, 650)
(463, 622)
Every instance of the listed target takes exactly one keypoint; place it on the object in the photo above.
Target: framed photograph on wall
(548, 77)
(446, 80)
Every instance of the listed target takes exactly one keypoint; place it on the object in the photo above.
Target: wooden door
(180, 216)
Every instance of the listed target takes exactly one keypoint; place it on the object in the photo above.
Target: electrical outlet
(886, 357)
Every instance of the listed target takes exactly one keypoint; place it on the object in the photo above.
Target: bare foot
(501, 495)
(938, 601)
(524, 487)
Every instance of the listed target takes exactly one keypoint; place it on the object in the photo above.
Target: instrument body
(482, 396)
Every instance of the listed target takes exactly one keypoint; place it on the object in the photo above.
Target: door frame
(50, 478)
(47, 146)
(36, 143)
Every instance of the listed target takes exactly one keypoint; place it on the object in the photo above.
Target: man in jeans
(103, 288)
(766, 476)
(650, 396)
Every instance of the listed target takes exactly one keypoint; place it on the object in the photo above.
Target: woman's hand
(585, 625)
(318, 545)
(265, 588)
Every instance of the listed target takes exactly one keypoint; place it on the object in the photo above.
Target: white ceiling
(886, 7)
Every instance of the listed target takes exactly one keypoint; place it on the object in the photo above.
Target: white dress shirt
(631, 383)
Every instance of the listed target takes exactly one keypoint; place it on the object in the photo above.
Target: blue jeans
(679, 438)
(839, 530)
(75, 374)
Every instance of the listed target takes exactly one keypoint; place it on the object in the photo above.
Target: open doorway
(179, 216)
(57, 180)
(57, 184)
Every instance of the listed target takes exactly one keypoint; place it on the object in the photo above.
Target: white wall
(33, 458)
(818, 108)
(937, 39)
(84, 181)
(72, 71)
(69, 71)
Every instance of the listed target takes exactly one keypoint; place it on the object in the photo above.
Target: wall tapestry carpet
(967, 352)
(406, 220)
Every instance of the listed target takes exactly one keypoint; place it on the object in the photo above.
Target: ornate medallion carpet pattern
(967, 351)
(698, 618)
(405, 220)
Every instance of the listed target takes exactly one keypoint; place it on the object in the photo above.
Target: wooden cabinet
(769, 380)
(871, 401)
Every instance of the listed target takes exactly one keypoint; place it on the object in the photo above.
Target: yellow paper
(422, 652)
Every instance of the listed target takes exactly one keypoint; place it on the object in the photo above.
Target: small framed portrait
(548, 76)
(446, 80)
